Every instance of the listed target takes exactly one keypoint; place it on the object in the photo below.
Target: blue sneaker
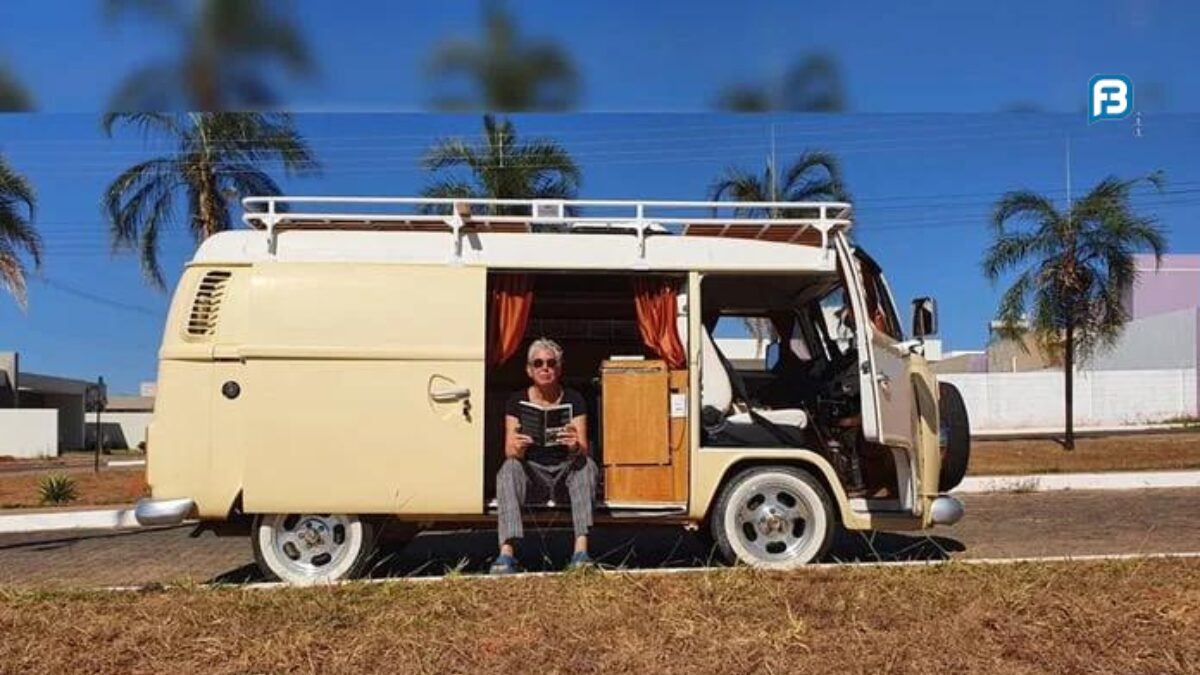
(504, 564)
(580, 560)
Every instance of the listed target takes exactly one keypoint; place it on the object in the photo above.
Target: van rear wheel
(774, 517)
(306, 548)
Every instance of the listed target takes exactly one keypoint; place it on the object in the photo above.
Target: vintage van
(343, 361)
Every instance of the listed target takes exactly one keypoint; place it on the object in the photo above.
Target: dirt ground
(110, 486)
(1127, 617)
(1127, 452)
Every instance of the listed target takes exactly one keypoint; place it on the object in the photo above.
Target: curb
(1133, 480)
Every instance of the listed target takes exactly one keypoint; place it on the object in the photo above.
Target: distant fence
(1104, 398)
(29, 432)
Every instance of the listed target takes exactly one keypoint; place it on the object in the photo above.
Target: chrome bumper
(946, 510)
(162, 511)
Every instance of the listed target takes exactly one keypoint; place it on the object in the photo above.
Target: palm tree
(227, 46)
(13, 96)
(501, 167)
(812, 84)
(506, 73)
(17, 205)
(815, 175)
(217, 160)
(1072, 267)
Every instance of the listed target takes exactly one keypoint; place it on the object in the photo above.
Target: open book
(543, 423)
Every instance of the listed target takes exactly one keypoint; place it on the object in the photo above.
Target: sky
(923, 186)
(668, 55)
(924, 147)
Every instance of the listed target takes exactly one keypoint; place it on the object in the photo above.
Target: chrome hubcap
(311, 544)
(772, 522)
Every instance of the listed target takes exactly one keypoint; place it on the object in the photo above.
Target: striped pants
(512, 484)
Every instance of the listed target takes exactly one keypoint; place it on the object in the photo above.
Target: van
(344, 361)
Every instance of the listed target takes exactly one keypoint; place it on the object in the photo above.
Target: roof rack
(784, 222)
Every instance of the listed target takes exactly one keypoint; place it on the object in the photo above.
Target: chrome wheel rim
(312, 545)
(772, 521)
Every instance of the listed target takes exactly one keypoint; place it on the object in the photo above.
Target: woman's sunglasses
(547, 363)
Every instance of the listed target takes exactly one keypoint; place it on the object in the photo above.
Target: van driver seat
(716, 393)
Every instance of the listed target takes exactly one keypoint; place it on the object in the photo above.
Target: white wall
(1034, 400)
(127, 426)
(29, 432)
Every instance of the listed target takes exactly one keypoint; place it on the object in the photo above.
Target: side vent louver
(206, 308)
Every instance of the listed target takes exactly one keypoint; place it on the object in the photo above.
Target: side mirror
(924, 317)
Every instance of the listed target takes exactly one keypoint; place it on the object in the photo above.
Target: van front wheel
(307, 548)
(775, 517)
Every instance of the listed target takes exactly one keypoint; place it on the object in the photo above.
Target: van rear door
(365, 389)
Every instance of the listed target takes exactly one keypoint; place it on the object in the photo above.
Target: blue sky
(672, 55)
(923, 185)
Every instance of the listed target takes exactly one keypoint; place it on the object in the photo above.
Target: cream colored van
(345, 360)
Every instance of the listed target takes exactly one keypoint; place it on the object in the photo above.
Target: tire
(773, 517)
(305, 549)
(954, 436)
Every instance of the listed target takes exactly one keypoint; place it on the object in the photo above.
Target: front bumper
(945, 510)
(163, 511)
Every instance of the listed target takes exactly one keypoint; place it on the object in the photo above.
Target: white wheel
(305, 548)
(773, 517)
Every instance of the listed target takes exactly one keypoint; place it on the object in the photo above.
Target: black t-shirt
(546, 454)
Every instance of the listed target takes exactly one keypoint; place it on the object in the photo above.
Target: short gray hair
(544, 345)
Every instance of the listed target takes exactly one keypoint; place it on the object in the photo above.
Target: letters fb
(1111, 98)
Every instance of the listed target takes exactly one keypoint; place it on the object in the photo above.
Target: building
(1151, 374)
(1167, 287)
(40, 415)
(123, 422)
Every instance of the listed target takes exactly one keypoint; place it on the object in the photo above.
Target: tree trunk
(1069, 393)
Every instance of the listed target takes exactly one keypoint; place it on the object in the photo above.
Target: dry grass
(1130, 452)
(1101, 617)
(110, 486)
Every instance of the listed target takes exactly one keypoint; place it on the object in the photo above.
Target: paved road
(996, 525)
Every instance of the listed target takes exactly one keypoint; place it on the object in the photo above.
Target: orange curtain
(512, 298)
(655, 302)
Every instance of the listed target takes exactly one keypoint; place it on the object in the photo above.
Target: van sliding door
(365, 385)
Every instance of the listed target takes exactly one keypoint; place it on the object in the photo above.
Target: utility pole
(774, 172)
(1069, 360)
(1068, 180)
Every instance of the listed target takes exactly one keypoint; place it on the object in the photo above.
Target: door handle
(450, 395)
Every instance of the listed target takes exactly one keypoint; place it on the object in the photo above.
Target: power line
(111, 304)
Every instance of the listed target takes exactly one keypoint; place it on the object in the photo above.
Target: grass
(1127, 617)
(1130, 452)
(110, 486)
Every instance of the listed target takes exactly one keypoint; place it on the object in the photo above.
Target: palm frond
(148, 123)
(12, 274)
(1024, 205)
(14, 96)
(826, 184)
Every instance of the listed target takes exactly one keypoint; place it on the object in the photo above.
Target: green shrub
(57, 488)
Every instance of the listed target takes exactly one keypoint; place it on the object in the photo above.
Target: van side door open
(365, 389)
